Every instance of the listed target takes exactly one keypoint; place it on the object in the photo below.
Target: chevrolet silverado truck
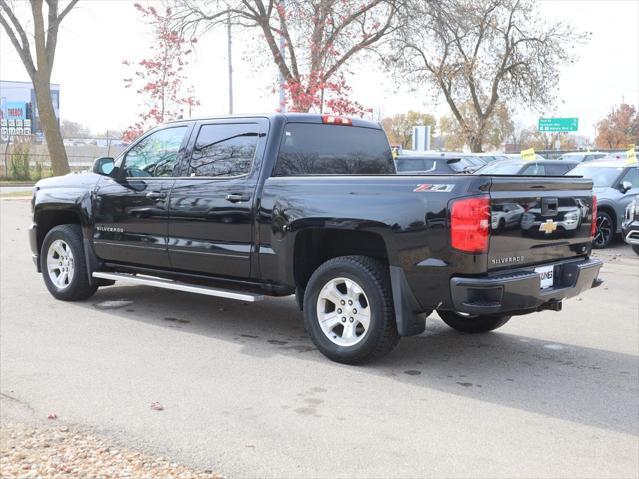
(311, 206)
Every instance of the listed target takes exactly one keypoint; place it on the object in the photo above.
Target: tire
(63, 249)
(604, 231)
(635, 248)
(472, 324)
(367, 329)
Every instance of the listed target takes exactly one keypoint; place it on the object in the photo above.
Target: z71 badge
(435, 187)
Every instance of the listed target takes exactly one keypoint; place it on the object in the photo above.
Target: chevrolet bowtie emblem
(548, 227)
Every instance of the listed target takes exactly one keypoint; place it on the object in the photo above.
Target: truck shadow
(583, 385)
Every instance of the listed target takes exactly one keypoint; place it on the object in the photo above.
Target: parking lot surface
(246, 394)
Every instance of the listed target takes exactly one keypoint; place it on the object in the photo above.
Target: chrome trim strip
(632, 237)
(225, 255)
(178, 286)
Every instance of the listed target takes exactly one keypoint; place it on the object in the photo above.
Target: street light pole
(283, 55)
(230, 60)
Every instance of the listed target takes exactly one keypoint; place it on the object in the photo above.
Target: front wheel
(63, 264)
(468, 323)
(348, 310)
(604, 230)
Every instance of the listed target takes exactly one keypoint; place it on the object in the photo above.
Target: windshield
(460, 165)
(601, 176)
(500, 168)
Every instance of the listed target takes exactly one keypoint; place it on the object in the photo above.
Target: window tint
(155, 155)
(632, 176)
(312, 149)
(557, 170)
(224, 150)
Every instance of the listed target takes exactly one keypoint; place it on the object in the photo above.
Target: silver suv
(616, 184)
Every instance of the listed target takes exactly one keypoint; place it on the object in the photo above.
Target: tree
(320, 38)
(619, 128)
(399, 128)
(72, 129)
(45, 39)
(159, 79)
(497, 128)
(481, 52)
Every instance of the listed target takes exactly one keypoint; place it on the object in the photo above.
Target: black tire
(472, 324)
(635, 248)
(79, 287)
(373, 278)
(604, 232)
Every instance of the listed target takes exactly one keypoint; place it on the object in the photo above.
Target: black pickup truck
(311, 205)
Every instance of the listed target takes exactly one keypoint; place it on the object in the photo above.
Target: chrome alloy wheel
(343, 311)
(60, 265)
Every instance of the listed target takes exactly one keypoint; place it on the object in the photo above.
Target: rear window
(501, 168)
(316, 149)
(405, 165)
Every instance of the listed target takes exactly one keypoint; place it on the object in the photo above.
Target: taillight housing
(470, 224)
(336, 120)
(593, 224)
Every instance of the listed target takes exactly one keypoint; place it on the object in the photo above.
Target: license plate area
(546, 276)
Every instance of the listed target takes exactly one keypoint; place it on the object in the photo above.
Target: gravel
(55, 451)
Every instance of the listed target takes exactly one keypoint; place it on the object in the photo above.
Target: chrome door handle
(156, 195)
(236, 197)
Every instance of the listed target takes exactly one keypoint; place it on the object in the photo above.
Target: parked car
(630, 226)
(528, 168)
(616, 184)
(310, 205)
(582, 156)
(434, 164)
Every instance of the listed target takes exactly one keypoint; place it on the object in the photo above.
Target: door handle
(237, 197)
(156, 195)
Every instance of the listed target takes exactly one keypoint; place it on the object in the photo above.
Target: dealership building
(19, 109)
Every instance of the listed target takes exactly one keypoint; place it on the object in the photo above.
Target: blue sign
(14, 110)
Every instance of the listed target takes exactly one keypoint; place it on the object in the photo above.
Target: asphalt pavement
(246, 394)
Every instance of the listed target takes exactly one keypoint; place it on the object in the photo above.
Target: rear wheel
(63, 264)
(635, 248)
(468, 323)
(348, 310)
(604, 230)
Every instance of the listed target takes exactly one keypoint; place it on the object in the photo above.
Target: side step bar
(178, 286)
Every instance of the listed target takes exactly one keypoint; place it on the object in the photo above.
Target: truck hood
(74, 180)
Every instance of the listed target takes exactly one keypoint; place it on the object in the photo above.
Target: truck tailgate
(538, 219)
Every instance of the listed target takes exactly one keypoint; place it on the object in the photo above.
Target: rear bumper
(519, 291)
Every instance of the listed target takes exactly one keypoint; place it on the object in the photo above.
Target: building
(19, 109)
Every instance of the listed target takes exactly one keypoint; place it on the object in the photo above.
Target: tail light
(593, 225)
(336, 120)
(470, 224)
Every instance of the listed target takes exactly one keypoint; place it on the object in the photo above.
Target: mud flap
(409, 323)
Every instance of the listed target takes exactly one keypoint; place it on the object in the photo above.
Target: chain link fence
(25, 157)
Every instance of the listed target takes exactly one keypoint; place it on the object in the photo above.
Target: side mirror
(104, 166)
(625, 186)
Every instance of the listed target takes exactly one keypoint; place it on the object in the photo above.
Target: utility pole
(230, 60)
(283, 55)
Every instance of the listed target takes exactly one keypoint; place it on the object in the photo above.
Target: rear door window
(318, 149)
(224, 150)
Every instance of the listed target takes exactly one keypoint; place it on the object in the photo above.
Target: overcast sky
(99, 34)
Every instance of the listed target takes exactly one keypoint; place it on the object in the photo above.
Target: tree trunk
(475, 143)
(49, 124)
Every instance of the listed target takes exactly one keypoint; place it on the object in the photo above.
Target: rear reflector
(593, 225)
(336, 120)
(470, 224)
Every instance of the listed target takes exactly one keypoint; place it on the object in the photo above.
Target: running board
(178, 286)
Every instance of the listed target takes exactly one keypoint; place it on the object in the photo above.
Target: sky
(99, 34)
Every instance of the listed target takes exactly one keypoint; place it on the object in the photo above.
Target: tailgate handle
(549, 206)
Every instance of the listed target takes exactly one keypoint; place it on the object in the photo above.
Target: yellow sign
(631, 155)
(528, 155)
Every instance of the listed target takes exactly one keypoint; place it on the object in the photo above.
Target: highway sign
(558, 124)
